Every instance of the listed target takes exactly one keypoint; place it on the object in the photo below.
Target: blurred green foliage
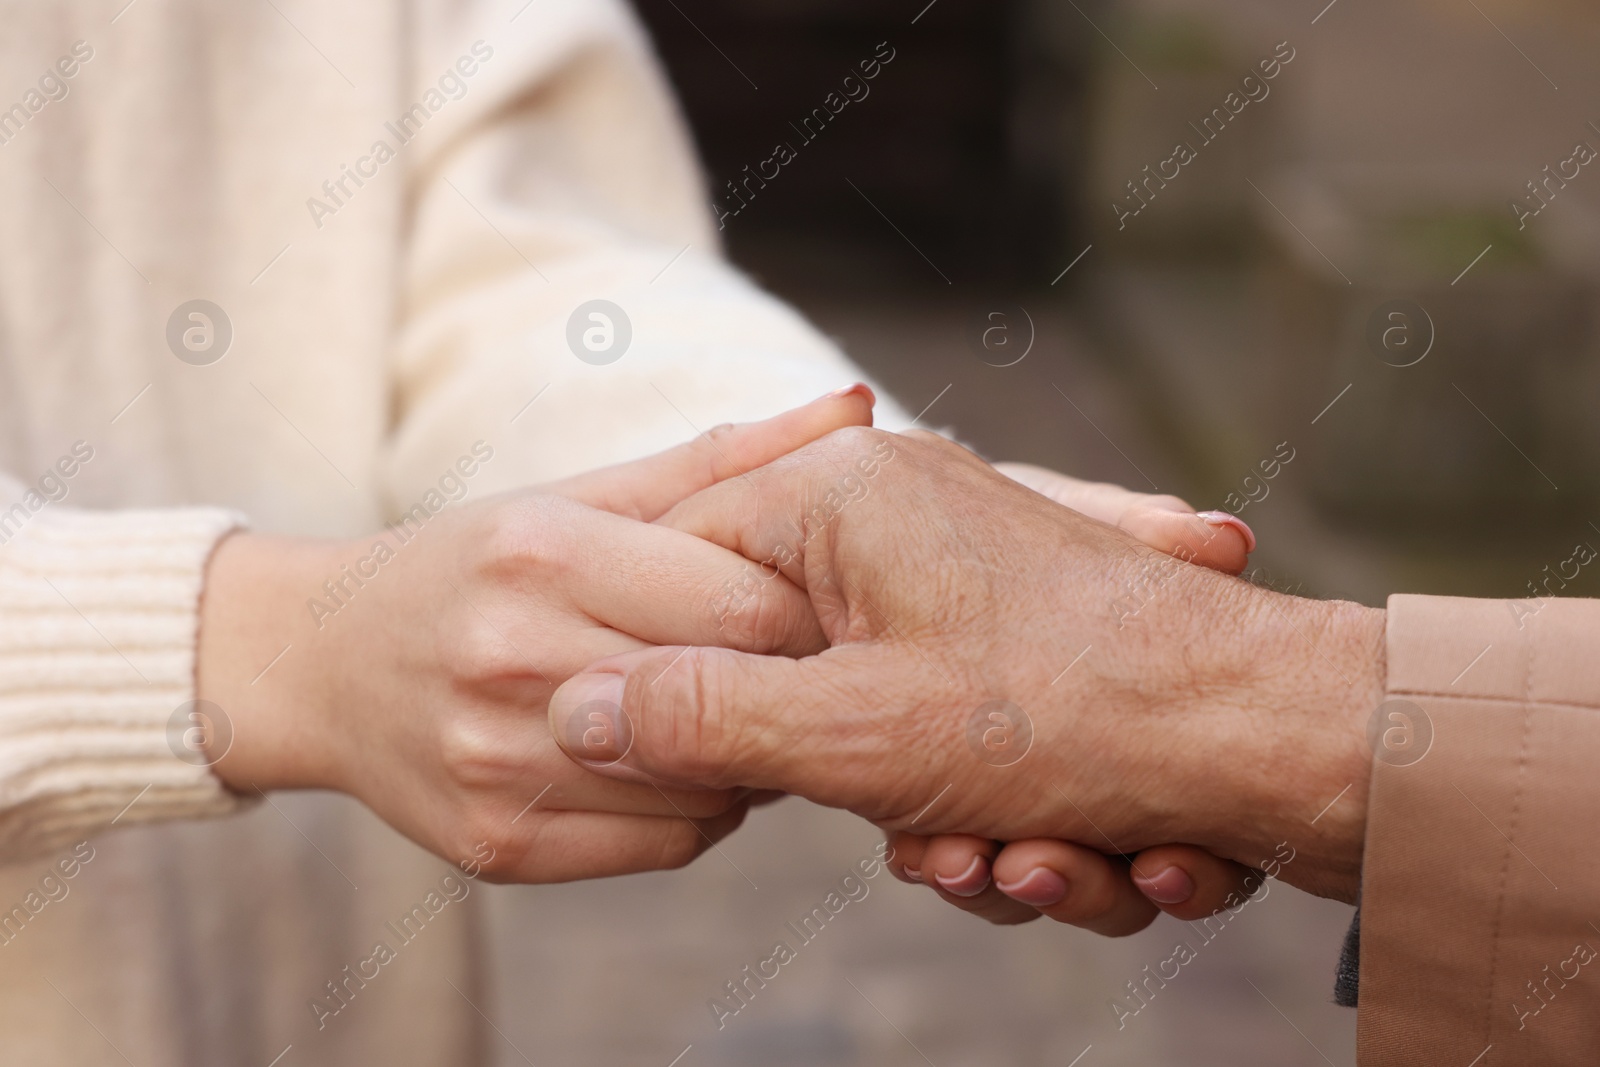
(1440, 242)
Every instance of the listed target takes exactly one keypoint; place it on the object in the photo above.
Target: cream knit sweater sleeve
(563, 175)
(551, 168)
(98, 619)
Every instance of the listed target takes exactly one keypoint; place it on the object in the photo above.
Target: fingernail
(970, 882)
(913, 874)
(1222, 518)
(595, 729)
(861, 388)
(1171, 886)
(1041, 887)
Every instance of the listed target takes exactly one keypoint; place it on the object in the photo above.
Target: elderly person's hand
(1067, 882)
(1203, 709)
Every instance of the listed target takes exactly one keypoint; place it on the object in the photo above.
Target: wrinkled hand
(1025, 880)
(1203, 709)
(422, 696)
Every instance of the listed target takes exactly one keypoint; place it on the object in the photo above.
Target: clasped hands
(811, 606)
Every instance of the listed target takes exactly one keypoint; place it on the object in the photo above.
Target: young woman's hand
(423, 694)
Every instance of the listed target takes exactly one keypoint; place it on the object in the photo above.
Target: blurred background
(1004, 232)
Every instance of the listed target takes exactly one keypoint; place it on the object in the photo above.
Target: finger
(772, 515)
(905, 852)
(959, 863)
(545, 782)
(991, 905)
(1073, 884)
(1105, 501)
(569, 846)
(646, 488)
(717, 718)
(1190, 883)
(666, 587)
(957, 866)
(1167, 524)
(1212, 539)
(629, 798)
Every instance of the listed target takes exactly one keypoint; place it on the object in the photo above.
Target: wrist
(257, 661)
(1319, 676)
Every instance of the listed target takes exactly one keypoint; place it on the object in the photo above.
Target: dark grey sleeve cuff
(1347, 979)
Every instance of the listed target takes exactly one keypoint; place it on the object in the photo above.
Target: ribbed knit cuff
(99, 617)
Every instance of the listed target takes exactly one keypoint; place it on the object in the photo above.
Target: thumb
(692, 717)
(646, 488)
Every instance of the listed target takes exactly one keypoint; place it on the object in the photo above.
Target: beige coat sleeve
(1481, 880)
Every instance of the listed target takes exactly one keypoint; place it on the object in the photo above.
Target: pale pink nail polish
(970, 882)
(861, 388)
(913, 873)
(1041, 888)
(1222, 518)
(1171, 886)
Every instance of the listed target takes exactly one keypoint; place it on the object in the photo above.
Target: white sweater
(388, 306)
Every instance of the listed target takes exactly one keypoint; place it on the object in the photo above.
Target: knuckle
(739, 618)
(690, 738)
(497, 850)
(499, 869)
(767, 621)
(481, 754)
(927, 437)
(856, 439)
(480, 653)
(530, 534)
(713, 446)
(469, 756)
(717, 435)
